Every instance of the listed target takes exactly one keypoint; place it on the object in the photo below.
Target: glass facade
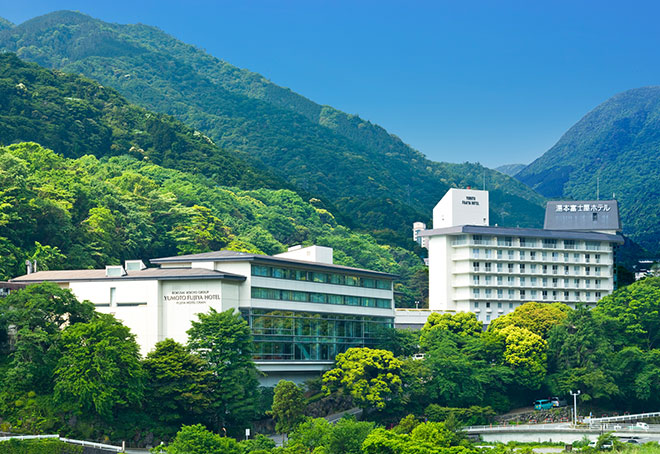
(310, 336)
(323, 298)
(324, 278)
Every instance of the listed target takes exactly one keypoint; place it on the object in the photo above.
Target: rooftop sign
(582, 215)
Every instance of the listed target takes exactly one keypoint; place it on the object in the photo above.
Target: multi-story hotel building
(490, 270)
(302, 309)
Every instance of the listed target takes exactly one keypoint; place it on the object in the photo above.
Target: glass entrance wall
(310, 336)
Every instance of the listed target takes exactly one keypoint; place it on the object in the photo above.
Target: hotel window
(587, 258)
(510, 280)
(488, 293)
(565, 296)
(509, 254)
(523, 242)
(597, 271)
(532, 294)
(475, 253)
(569, 244)
(532, 282)
(566, 281)
(576, 283)
(499, 280)
(554, 295)
(522, 295)
(522, 280)
(510, 293)
(475, 280)
(532, 255)
(592, 245)
(259, 270)
(596, 283)
(488, 253)
(544, 282)
(576, 257)
(476, 304)
(499, 254)
(554, 281)
(488, 279)
(510, 305)
(565, 257)
(597, 258)
(487, 305)
(576, 270)
(488, 267)
(555, 256)
(475, 266)
(499, 305)
(544, 256)
(522, 267)
(477, 239)
(566, 268)
(598, 295)
(532, 268)
(113, 296)
(475, 292)
(587, 270)
(577, 296)
(487, 317)
(550, 244)
(499, 268)
(500, 293)
(544, 294)
(588, 296)
(545, 269)
(554, 269)
(509, 267)
(587, 283)
(522, 255)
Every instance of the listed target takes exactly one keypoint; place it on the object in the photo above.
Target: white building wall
(461, 207)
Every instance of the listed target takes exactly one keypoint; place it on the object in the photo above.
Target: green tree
(288, 406)
(177, 384)
(526, 354)
(37, 315)
(224, 341)
(538, 318)
(463, 324)
(347, 436)
(371, 377)
(196, 439)
(311, 434)
(100, 369)
(202, 232)
(633, 314)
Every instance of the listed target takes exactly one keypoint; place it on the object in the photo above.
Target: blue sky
(491, 81)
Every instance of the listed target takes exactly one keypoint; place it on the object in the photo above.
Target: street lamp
(574, 406)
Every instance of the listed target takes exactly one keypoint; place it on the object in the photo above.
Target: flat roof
(233, 256)
(149, 273)
(515, 231)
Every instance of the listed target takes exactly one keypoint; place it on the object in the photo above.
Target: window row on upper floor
(527, 242)
(323, 298)
(523, 268)
(324, 278)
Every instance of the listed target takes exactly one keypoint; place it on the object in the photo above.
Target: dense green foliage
(87, 212)
(375, 179)
(288, 406)
(618, 144)
(45, 446)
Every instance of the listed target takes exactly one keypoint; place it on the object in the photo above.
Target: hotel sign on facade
(582, 207)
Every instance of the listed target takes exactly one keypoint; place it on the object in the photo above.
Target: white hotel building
(490, 270)
(302, 309)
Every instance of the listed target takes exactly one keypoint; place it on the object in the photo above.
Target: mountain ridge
(357, 165)
(614, 148)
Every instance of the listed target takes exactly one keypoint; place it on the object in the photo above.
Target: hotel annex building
(490, 270)
(302, 309)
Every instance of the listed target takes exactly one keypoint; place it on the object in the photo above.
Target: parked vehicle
(557, 402)
(543, 404)
(641, 426)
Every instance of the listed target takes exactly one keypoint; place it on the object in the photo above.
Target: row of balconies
(538, 286)
(577, 247)
(582, 273)
(467, 255)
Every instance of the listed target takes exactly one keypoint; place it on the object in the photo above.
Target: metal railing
(635, 417)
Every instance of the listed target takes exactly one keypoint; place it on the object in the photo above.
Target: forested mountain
(76, 116)
(615, 146)
(4, 23)
(375, 179)
(90, 212)
(510, 169)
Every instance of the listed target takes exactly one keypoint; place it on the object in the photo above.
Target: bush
(43, 446)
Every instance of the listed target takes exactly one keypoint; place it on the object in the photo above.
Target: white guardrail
(89, 444)
(622, 418)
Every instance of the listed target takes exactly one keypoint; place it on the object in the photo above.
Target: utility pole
(574, 406)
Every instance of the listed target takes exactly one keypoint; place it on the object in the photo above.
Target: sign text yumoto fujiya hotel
(191, 297)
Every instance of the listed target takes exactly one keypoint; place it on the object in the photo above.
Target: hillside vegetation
(90, 212)
(619, 143)
(378, 182)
